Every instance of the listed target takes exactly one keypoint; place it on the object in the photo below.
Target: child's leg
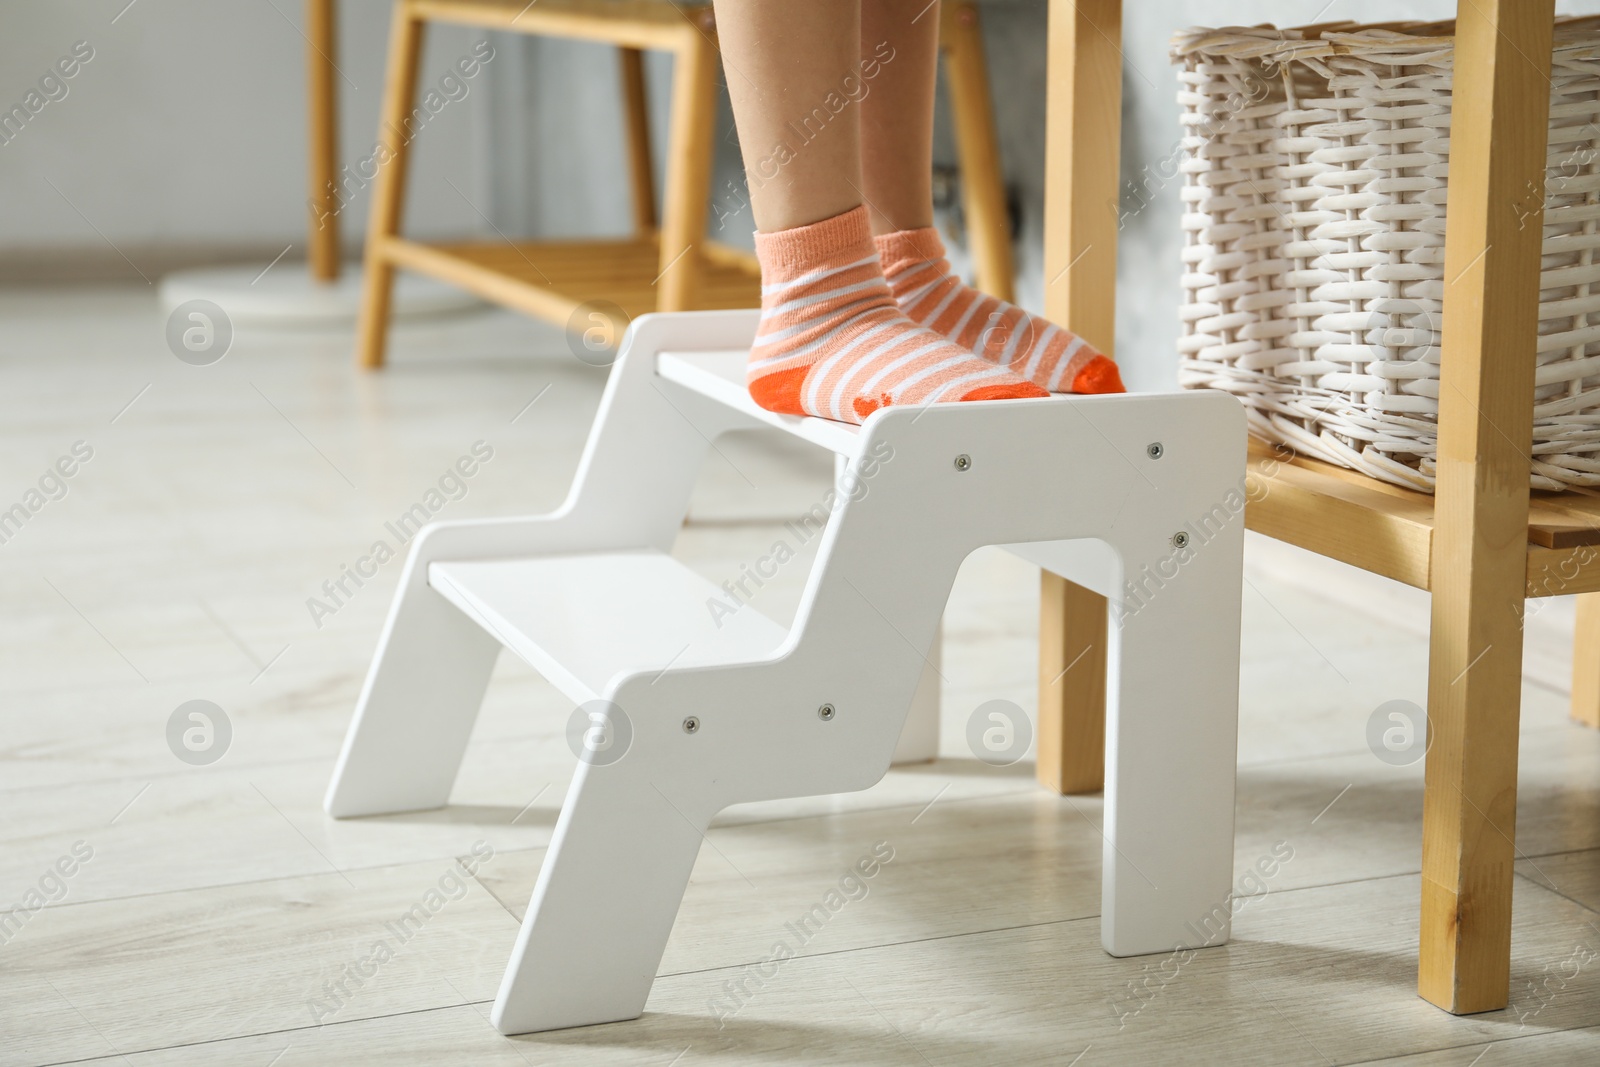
(900, 48)
(896, 158)
(832, 341)
(781, 60)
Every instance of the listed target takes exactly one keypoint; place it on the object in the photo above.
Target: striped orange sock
(1044, 353)
(833, 343)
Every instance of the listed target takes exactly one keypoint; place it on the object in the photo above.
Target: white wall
(188, 125)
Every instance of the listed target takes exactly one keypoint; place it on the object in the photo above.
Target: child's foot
(1042, 352)
(833, 343)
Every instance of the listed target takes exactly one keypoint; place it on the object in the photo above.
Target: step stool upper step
(720, 376)
(582, 619)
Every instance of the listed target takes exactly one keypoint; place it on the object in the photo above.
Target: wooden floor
(220, 918)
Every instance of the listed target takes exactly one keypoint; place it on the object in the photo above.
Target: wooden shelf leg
(1082, 146)
(636, 109)
(1586, 661)
(389, 189)
(322, 99)
(982, 179)
(694, 117)
(1072, 674)
(1469, 808)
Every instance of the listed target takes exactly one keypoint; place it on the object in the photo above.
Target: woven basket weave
(1314, 166)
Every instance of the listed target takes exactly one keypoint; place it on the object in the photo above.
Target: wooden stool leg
(694, 119)
(1083, 138)
(1586, 661)
(1479, 578)
(322, 100)
(636, 110)
(388, 192)
(982, 181)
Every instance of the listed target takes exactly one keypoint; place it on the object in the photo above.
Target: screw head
(691, 724)
(963, 462)
(825, 713)
(1154, 450)
(1180, 539)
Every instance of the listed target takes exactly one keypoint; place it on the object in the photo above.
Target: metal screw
(691, 724)
(1180, 539)
(825, 713)
(963, 462)
(1154, 450)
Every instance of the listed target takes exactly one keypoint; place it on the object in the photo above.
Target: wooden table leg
(1469, 810)
(983, 183)
(1083, 142)
(389, 190)
(322, 98)
(1586, 661)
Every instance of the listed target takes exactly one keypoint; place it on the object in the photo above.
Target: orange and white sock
(832, 342)
(1038, 350)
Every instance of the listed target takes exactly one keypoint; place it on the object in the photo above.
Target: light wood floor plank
(220, 898)
(1304, 967)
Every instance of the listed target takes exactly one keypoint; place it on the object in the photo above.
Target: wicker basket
(1314, 166)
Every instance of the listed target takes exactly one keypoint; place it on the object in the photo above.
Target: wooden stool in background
(667, 264)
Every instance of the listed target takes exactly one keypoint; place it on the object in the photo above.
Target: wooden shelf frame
(1481, 546)
(1388, 530)
(553, 279)
(668, 264)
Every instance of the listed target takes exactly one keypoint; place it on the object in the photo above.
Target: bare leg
(831, 340)
(784, 61)
(897, 112)
(897, 187)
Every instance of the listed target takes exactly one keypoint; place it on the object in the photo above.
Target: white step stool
(1132, 496)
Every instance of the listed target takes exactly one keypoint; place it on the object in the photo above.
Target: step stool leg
(1171, 771)
(417, 708)
(605, 900)
(919, 739)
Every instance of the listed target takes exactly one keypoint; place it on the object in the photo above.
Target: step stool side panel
(427, 679)
(823, 712)
(1087, 470)
(1172, 752)
(607, 895)
(416, 708)
(919, 738)
(650, 435)
(1172, 739)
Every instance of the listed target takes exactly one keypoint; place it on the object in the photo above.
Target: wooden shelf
(552, 279)
(630, 23)
(1388, 530)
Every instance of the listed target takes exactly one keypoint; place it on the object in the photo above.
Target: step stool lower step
(582, 619)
